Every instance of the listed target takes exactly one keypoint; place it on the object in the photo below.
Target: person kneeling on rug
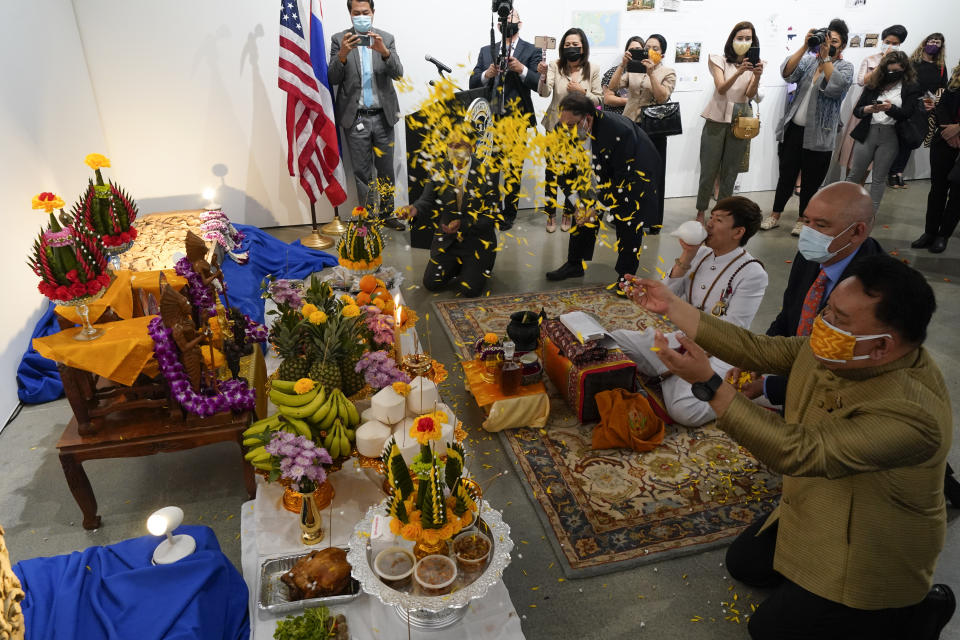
(852, 548)
(719, 277)
(463, 199)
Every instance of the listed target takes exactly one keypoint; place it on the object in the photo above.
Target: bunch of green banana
(337, 407)
(259, 434)
(299, 406)
(337, 443)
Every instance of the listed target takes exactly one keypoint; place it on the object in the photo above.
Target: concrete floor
(659, 600)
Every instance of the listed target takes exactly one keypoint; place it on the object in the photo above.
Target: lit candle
(397, 313)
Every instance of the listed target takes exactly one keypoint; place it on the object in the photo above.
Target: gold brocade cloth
(530, 407)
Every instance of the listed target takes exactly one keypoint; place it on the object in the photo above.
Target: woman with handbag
(929, 61)
(652, 86)
(735, 79)
(807, 133)
(571, 73)
(943, 202)
(890, 98)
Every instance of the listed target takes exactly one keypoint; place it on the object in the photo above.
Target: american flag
(311, 131)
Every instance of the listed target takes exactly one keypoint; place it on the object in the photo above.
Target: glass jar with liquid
(511, 371)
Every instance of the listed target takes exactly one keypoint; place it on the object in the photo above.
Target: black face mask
(833, 51)
(511, 29)
(894, 76)
(572, 54)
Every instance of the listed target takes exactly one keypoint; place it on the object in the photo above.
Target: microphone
(439, 65)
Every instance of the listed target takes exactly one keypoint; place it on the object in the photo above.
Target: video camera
(502, 7)
(817, 38)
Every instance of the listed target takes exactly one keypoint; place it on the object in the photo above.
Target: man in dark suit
(364, 63)
(511, 81)
(624, 175)
(462, 198)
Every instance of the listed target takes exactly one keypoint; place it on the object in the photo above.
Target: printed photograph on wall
(856, 40)
(640, 5)
(602, 27)
(687, 52)
(670, 5)
(871, 39)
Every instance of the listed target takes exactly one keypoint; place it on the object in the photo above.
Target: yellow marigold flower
(490, 338)
(439, 372)
(350, 311)
(412, 531)
(96, 160)
(303, 385)
(47, 201)
(411, 319)
(308, 309)
(402, 388)
(346, 299)
(440, 416)
(430, 536)
(395, 526)
(359, 212)
(426, 428)
(317, 317)
(379, 303)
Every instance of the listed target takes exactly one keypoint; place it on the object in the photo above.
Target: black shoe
(892, 182)
(901, 183)
(923, 241)
(933, 613)
(939, 245)
(506, 225)
(951, 487)
(565, 271)
(393, 223)
(653, 231)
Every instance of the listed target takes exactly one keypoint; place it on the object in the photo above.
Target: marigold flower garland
(234, 395)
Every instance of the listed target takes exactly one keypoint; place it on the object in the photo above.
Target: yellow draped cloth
(530, 407)
(119, 295)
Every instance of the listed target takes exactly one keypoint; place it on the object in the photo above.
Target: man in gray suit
(364, 63)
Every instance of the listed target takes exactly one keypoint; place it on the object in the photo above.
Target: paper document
(584, 327)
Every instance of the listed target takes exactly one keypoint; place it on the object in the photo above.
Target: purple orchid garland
(200, 296)
(234, 395)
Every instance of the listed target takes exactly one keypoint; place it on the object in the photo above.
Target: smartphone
(636, 64)
(545, 42)
(753, 55)
(363, 40)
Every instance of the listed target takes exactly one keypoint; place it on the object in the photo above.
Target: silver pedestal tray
(430, 612)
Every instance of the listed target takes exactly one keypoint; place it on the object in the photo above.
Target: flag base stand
(335, 226)
(315, 240)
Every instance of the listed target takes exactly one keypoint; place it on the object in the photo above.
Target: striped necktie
(811, 304)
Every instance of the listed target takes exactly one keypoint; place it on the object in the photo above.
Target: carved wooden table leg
(80, 487)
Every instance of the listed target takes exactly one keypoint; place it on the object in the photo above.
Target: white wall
(48, 123)
(188, 89)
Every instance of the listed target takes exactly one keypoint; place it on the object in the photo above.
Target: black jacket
(438, 204)
(627, 164)
(909, 101)
(802, 274)
(514, 87)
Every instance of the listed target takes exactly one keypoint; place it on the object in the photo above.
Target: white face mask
(740, 47)
(815, 246)
(886, 48)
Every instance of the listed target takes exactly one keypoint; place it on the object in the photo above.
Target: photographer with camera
(510, 70)
(649, 82)
(735, 78)
(807, 133)
(364, 63)
(571, 73)
(615, 101)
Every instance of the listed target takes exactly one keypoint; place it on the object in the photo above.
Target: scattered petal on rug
(613, 509)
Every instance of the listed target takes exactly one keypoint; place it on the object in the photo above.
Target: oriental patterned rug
(610, 510)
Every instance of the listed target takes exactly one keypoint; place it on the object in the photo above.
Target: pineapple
(352, 350)
(328, 347)
(287, 338)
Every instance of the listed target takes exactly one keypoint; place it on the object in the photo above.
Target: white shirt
(893, 95)
(800, 117)
(748, 285)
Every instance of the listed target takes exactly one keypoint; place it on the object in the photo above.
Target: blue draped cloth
(115, 593)
(37, 377)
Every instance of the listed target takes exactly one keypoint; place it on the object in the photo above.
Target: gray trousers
(371, 147)
(721, 154)
(880, 148)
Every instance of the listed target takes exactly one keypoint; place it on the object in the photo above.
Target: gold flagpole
(315, 240)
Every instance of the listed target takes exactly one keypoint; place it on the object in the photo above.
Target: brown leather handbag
(747, 127)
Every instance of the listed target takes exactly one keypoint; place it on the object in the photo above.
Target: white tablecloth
(267, 530)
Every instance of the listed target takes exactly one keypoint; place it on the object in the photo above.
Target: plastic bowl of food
(395, 565)
(472, 549)
(435, 575)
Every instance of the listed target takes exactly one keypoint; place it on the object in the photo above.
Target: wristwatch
(706, 390)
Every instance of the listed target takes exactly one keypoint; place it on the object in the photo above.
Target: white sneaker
(770, 222)
(796, 228)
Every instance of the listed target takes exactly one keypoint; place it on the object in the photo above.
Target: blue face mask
(362, 24)
(815, 246)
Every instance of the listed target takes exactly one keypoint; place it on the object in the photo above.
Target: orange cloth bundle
(627, 422)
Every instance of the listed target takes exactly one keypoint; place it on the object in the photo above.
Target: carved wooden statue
(197, 255)
(176, 313)
(11, 616)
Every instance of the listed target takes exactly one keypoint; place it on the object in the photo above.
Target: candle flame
(397, 309)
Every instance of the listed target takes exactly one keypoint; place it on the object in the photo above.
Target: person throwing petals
(851, 550)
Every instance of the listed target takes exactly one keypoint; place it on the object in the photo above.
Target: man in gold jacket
(862, 446)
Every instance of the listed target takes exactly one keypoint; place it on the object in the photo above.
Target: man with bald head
(839, 222)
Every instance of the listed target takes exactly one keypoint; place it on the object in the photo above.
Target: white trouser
(678, 397)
